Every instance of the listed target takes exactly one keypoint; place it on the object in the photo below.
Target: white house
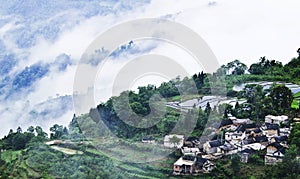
(284, 131)
(276, 119)
(237, 121)
(185, 164)
(234, 137)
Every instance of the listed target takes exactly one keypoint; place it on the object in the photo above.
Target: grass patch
(10, 155)
(295, 104)
(297, 95)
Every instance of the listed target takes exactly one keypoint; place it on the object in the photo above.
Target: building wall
(272, 132)
(271, 150)
(177, 168)
(270, 160)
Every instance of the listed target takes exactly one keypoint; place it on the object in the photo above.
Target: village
(239, 136)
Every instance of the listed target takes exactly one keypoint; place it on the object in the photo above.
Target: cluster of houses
(239, 136)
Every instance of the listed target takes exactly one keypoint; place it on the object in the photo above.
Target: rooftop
(281, 138)
(201, 161)
(278, 146)
(272, 126)
(278, 118)
(182, 161)
(226, 122)
(215, 143)
(261, 138)
(247, 150)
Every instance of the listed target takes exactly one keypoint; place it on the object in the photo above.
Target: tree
(138, 108)
(168, 89)
(30, 129)
(74, 129)
(207, 109)
(294, 138)
(235, 68)
(265, 66)
(268, 106)
(10, 132)
(225, 109)
(40, 133)
(254, 95)
(256, 69)
(290, 163)
(19, 141)
(222, 71)
(238, 68)
(244, 110)
(19, 130)
(65, 131)
(56, 131)
(235, 164)
(174, 140)
(282, 98)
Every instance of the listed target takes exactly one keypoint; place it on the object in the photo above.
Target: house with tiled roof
(282, 140)
(271, 130)
(275, 153)
(213, 146)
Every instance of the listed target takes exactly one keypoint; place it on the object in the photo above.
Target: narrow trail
(53, 145)
(67, 150)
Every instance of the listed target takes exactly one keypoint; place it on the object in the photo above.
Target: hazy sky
(241, 29)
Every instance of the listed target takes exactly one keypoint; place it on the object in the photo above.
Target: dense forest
(24, 154)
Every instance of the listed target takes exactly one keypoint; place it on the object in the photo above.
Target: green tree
(290, 163)
(19, 130)
(282, 98)
(225, 109)
(238, 68)
(174, 140)
(235, 164)
(30, 129)
(294, 137)
(265, 66)
(57, 131)
(19, 141)
(235, 67)
(168, 89)
(255, 96)
(207, 108)
(41, 135)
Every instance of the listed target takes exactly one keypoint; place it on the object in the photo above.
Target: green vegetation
(295, 103)
(38, 160)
